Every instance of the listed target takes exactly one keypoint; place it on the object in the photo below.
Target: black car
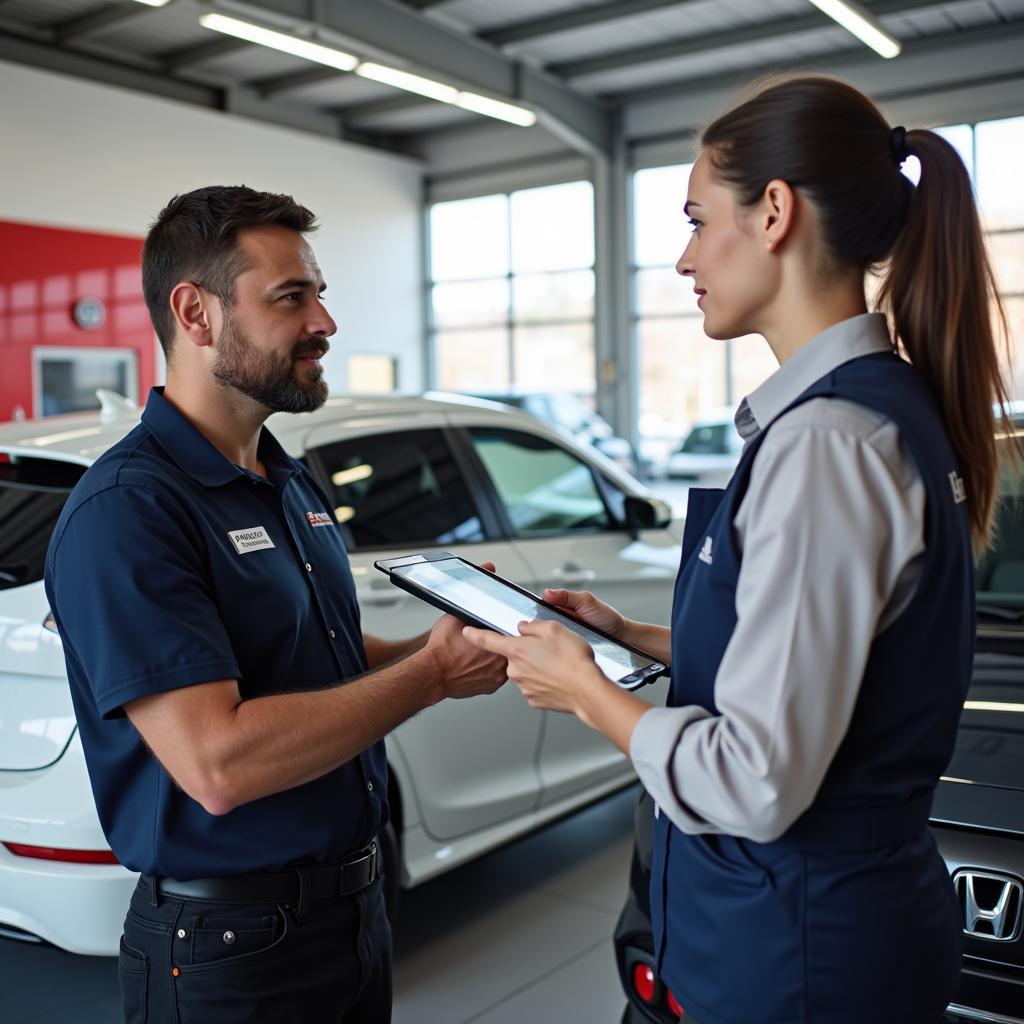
(977, 818)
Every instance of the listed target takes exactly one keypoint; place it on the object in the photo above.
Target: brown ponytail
(940, 293)
(831, 142)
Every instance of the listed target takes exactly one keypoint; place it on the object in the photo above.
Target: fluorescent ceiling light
(279, 41)
(408, 81)
(861, 23)
(154, 3)
(447, 94)
(496, 108)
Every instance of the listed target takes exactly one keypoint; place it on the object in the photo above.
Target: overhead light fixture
(447, 94)
(154, 3)
(395, 77)
(408, 81)
(860, 22)
(279, 41)
(522, 116)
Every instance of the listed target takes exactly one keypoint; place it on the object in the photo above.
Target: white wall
(81, 155)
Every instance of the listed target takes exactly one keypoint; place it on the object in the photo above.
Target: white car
(404, 474)
(709, 452)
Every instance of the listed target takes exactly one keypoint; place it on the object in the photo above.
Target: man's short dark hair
(195, 239)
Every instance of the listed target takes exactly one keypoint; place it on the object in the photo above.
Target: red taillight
(644, 982)
(70, 856)
(673, 1004)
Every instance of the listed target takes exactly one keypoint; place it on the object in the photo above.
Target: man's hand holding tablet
(488, 602)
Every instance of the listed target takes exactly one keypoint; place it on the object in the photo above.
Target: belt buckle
(357, 863)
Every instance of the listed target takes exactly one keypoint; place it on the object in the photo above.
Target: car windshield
(32, 494)
(707, 439)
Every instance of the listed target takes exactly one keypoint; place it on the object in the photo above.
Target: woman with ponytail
(823, 623)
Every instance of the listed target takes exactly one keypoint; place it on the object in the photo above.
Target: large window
(683, 372)
(997, 149)
(512, 291)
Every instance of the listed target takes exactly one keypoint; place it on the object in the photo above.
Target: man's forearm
(269, 744)
(380, 652)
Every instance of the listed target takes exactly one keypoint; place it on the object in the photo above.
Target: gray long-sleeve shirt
(831, 532)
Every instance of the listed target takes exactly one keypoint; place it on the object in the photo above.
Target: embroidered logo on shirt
(705, 551)
(959, 490)
(255, 538)
(319, 519)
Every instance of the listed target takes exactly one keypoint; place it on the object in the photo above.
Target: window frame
(511, 323)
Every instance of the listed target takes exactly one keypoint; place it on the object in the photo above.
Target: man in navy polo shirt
(230, 708)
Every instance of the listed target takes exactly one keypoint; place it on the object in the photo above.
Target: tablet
(484, 599)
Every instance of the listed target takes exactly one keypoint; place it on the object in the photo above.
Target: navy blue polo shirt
(171, 566)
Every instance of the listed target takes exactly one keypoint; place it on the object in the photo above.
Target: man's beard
(266, 377)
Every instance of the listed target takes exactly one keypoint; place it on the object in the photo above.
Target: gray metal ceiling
(606, 53)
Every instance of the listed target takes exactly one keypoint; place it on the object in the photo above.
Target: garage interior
(499, 188)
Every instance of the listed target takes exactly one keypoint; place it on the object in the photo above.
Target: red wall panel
(44, 271)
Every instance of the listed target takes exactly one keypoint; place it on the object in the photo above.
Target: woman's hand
(550, 665)
(584, 606)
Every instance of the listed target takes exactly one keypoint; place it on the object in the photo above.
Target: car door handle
(573, 573)
(379, 598)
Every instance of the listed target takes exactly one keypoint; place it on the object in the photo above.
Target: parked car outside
(571, 413)
(709, 452)
(977, 817)
(404, 474)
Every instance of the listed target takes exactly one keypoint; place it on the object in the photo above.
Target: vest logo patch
(319, 519)
(255, 538)
(705, 551)
(959, 490)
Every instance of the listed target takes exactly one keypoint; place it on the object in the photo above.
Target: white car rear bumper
(79, 907)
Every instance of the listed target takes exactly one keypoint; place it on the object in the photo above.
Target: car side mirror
(646, 514)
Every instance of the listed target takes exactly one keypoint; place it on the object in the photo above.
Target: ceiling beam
(424, 45)
(99, 20)
(281, 85)
(581, 17)
(45, 55)
(926, 66)
(387, 105)
(774, 28)
(50, 57)
(198, 53)
(362, 116)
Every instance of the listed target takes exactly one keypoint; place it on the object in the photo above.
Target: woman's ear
(190, 305)
(778, 213)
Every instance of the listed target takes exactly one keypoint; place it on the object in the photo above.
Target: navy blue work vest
(850, 915)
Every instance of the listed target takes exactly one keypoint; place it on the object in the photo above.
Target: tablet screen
(503, 607)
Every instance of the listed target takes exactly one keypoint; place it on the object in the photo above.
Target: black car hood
(983, 786)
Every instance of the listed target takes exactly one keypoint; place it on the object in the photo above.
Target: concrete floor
(523, 934)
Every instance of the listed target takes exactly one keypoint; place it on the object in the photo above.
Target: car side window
(398, 490)
(545, 489)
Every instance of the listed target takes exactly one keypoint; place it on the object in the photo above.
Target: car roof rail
(114, 406)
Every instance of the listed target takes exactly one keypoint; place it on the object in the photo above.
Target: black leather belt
(296, 885)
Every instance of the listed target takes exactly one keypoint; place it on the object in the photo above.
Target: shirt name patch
(319, 519)
(255, 538)
(959, 490)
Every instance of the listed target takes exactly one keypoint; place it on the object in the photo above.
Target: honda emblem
(991, 904)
